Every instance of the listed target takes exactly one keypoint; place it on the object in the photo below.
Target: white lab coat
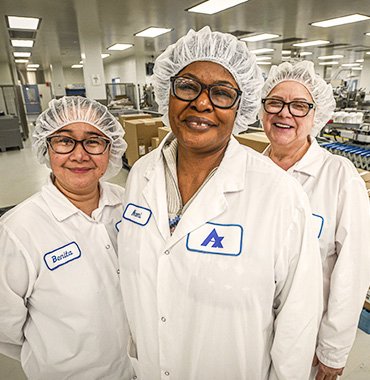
(235, 293)
(340, 205)
(61, 311)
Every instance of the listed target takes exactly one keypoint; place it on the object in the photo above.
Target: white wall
(73, 76)
(5, 77)
(124, 69)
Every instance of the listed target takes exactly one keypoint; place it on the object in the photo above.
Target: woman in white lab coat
(61, 312)
(220, 267)
(297, 104)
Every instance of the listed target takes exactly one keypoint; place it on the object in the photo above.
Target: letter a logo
(213, 238)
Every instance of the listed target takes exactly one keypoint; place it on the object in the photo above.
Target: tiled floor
(21, 176)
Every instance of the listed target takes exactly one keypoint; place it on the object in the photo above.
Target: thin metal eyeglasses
(64, 144)
(297, 108)
(189, 89)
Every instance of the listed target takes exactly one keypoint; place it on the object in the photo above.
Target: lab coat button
(118, 271)
(163, 319)
(167, 252)
(167, 373)
(107, 246)
(135, 377)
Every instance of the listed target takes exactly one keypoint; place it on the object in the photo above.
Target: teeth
(282, 125)
(201, 124)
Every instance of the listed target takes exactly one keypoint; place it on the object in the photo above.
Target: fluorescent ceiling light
(331, 56)
(368, 52)
(21, 60)
(368, 34)
(263, 63)
(105, 55)
(340, 21)
(359, 60)
(263, 58)
(328, 63)
(152, 32)
(312, 43)
(211, 7)
(285, 52)
(120, 46)
(77, 66)
(22, 43)
(33, 65)
(351, 64)
(81, 62)
(31, 69)
(357, 68)
(260, 37)
(16, 22)
(304, 53)
(21, 54)
(261, 51)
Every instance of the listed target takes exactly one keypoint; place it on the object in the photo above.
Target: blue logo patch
(318, 223)
(220, 239)
(137, 214)
(62, 255)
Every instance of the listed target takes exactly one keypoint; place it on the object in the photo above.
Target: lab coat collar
(62, 208)
(229, 177)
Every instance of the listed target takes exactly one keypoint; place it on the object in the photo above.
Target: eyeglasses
(63, 144)
(296, 108)
(188, 89)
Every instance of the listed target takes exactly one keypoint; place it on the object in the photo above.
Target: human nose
(202, 103)
(79, 153)
(285, 111)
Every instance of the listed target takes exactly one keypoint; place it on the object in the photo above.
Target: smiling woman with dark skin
(210, 294)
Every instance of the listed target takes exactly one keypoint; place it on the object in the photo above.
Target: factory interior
(105, 50)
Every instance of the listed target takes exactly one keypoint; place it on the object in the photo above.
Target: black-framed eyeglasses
(64, 144)
(189, 89)
(297, 108)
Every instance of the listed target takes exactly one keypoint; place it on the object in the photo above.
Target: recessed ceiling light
(312, 43)
(263, 63)
(77, 66)
(21, 54)
(31, 69)
(330, 56)
(328, 63)
(368, 52)
(260, 37)
(340, 20)
(261, 51)
(16, 22)
(152, 32)
(351, 64)
(285, 52)
(263, 58)
(357, 68)
(304, 53)
(21, 60)
(120, 46)
(81, 62)
(368, 34)
(33, 65)
(105, 55)
(360, 60)
(22, 43)
(211, 7)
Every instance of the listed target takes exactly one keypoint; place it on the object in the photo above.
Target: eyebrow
(225, 82)
(294, 99)
(90, 133)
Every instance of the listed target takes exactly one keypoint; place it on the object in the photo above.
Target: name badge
(62, 256)
(137, 214)
(318, 224)
(220, 239)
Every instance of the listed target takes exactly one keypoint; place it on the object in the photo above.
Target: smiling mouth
(79, 170)
(199, 124)
(283, 126)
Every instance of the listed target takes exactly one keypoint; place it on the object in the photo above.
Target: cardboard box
(155, 142)
(162, 132)
(123, 118)
(139, 135)
(367, 300)
(256, 140)
(365, 175)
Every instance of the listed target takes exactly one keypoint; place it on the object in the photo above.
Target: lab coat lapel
(212, 201)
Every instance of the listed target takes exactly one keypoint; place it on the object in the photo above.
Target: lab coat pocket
(132, 354)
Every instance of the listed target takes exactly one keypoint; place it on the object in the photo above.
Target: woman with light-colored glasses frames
(216, 245)
(61, 312)
(296, 105)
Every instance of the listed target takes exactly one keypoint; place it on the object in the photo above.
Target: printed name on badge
(62, 256)
(220, 239)
(318, 224)
(137, 214)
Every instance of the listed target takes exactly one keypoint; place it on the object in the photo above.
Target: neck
(86, 201)
(286, 157)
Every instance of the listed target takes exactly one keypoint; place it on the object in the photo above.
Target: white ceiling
(57, 39)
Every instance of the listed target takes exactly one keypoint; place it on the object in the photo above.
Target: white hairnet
(221, 48)
(74, 109)
(304, 73)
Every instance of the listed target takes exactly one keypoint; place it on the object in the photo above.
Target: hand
(326, 373)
